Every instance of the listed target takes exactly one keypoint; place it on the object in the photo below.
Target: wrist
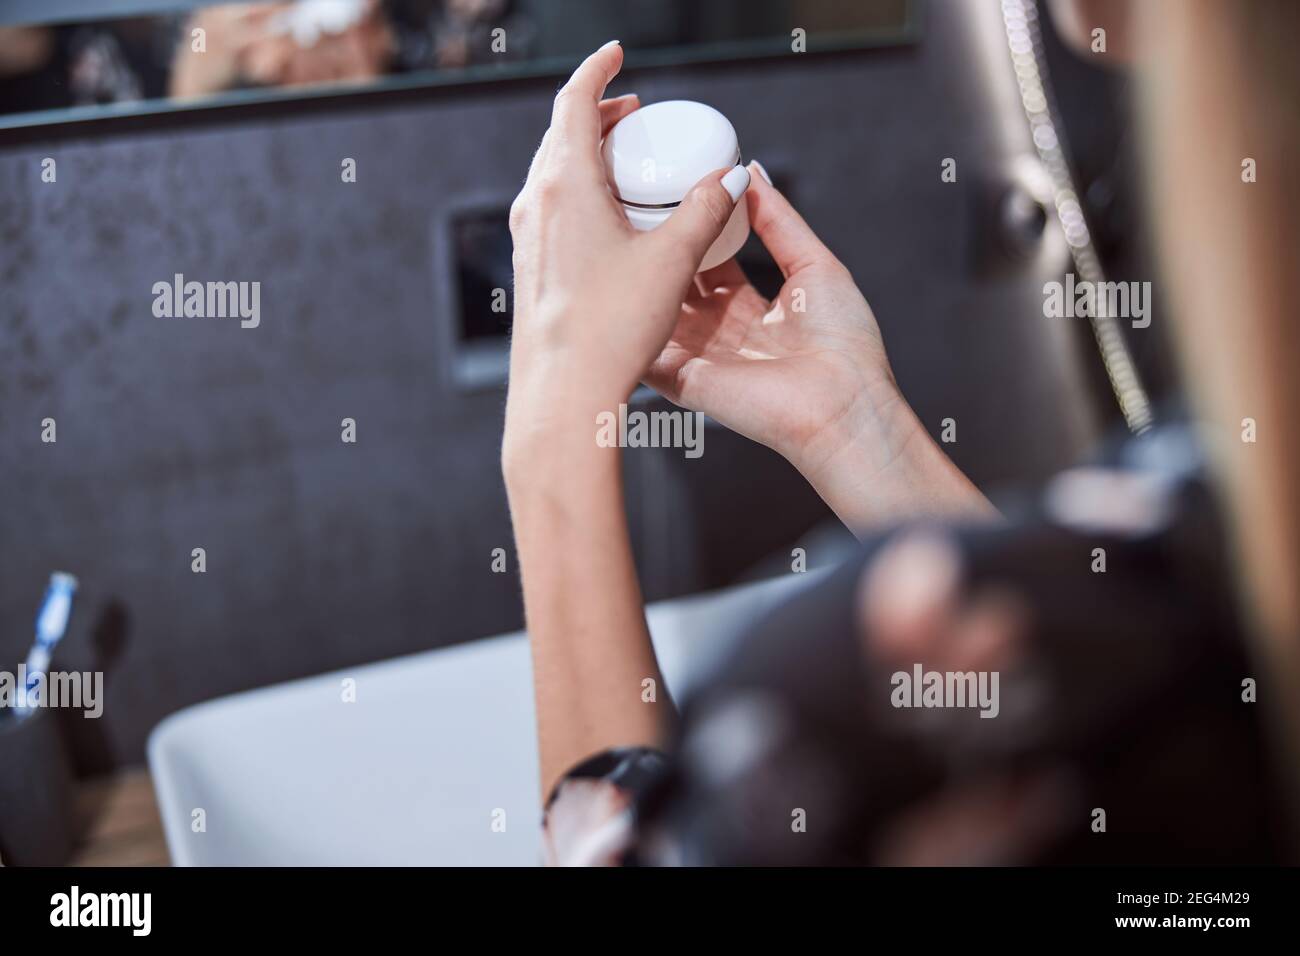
(550, 440)
(877, 464)
(869, 434)
(555, 356)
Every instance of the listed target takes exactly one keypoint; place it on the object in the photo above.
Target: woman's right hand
(807, 375)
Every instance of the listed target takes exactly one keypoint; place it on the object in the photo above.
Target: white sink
(414, 772)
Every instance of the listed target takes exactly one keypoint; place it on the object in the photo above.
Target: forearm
(586, 626)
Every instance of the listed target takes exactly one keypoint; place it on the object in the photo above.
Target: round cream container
(654, 156)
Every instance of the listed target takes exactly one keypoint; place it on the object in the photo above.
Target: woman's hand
(806, 374)
(790, 372)
(595, 300)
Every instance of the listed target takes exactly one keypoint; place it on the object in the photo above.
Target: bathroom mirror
(64, 60)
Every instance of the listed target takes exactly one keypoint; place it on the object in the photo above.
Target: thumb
(703, 214)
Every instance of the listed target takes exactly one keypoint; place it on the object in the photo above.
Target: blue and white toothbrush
(51, 625)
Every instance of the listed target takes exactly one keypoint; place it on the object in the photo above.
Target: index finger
(575, 117)
(782, 230)
(611, 111)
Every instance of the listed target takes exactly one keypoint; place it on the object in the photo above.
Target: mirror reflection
(189, 55)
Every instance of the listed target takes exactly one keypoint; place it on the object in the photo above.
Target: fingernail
(736, 182)
(761, 171)
(606, 46)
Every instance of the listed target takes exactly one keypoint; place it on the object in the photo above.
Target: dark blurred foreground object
(37, 819)
(1132, 678)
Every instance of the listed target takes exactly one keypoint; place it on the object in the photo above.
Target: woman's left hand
(595, 300)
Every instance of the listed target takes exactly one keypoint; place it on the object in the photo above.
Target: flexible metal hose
(1024, 41)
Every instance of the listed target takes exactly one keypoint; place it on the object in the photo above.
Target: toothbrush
(51, 624)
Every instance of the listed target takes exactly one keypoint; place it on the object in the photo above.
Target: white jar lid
(655, 155)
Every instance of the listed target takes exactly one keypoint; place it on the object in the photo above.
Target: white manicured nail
(736, 182)
(606, 46)
(761, 171)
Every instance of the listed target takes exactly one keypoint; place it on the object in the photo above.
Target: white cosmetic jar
(655, 155)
